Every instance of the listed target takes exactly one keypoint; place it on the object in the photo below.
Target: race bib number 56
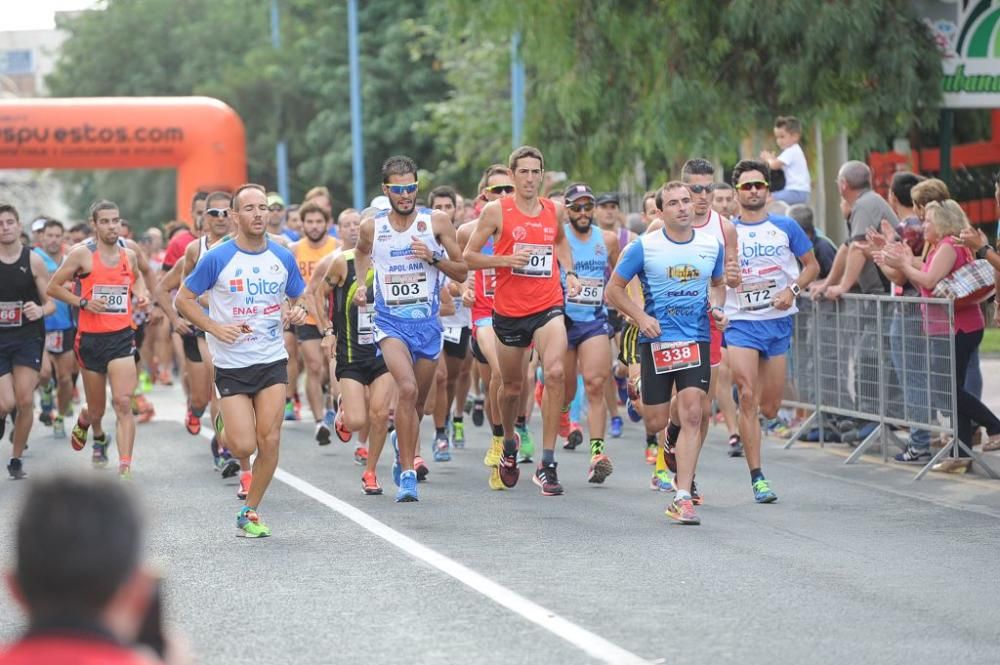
(675, 356)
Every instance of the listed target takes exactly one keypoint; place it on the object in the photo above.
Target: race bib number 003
(10, 313)
(755, 295)
(591, 292)
(115, 297)
(675, 356)
(408, 288)
(539, 263)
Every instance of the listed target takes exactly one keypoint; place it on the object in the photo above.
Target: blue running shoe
(621, 382)
(329, 417)
(762, 492)
(395, 463)
(616, 427)
(633, 413)
(407, 487)
(442, 449)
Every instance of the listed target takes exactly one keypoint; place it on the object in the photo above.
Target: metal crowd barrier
(887, 362)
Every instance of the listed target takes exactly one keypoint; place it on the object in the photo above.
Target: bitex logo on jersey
(236, 286)
(255, 287)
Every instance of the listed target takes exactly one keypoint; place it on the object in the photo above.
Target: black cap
(608, 197)
(577, 191)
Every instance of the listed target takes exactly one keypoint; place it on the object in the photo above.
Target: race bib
(54, 341)
(489, 282)
(366, 319)
(675, 356)
(591, 292)
(115, 297)
(540, 262)
(407, 288)
(755, 295)
(10, 314)
(453, 334)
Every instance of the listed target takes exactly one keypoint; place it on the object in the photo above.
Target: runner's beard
(754, 206)
(582, 229)
(400, 211)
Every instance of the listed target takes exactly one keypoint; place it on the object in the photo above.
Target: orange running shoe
(564, 424)
(539, 393)
(369, 483)
(192, 423)
(78, 438)
(651, 452)
(245, 478)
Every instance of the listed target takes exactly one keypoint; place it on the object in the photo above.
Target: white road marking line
(592, 644)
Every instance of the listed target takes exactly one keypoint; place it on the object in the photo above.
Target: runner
(23, 306)
(529, 248)
(315, 244)
(366, 387)
(609, 217)
(105, 342)
(60, 331)
(248, 280)
(588, 332)
(760, 309)
(677, 266)
(410, 248)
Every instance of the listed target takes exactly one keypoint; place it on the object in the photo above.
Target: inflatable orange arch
(202, 138)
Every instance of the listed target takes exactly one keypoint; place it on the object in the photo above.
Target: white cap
(38, 224)
(380, 202)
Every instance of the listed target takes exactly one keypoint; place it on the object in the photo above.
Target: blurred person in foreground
(80, 580)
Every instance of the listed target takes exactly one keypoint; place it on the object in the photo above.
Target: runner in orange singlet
(529, 246)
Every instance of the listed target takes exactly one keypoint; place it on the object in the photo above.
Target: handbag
(969, 285)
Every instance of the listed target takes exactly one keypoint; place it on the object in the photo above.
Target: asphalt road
(854, 564)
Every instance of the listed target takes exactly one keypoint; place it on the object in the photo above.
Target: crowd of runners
(413, 308)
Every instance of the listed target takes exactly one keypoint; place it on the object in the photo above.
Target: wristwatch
(983, 251)
(83, 303)
(434, 260)
(572, 272)
(795, 289)
(328, 332)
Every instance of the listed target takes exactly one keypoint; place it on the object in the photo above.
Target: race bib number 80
(675, 356)
(539, 263)
(115, 297)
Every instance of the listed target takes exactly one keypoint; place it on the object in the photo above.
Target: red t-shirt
(65, 650)
(535, 287)
(176, 247)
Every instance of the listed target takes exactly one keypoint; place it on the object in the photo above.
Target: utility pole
(516, 91)
(281, 149)
(357, 138)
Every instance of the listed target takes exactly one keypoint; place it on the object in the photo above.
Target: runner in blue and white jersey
(248, 280)
(676, 267)
(410, 248)
(760, 309)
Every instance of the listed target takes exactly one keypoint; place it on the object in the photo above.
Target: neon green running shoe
(527, 445)
(249, 524)
(661, 481)
(458, 434)
(145, 381)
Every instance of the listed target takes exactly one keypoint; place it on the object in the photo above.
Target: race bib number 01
(10, 313)
(755, 295)
(540, 262)
(675, 356)
(366, 320)
(115, 297)
(54, 341)
(591, 292)
(489, 282)
(453, 334)
(408, 288)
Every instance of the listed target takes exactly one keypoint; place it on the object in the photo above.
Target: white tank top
(405, 287)
(714, 226)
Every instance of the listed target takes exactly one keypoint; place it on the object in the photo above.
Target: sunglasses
(701, 189)
(581, 207)
(217, 212)
(402, 189)
(501, 189)
(752, 184)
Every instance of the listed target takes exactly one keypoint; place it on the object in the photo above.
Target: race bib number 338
(675, 356)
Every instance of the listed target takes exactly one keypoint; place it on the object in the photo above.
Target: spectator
(944, 222)
(792, 161)
(825, 250)
(78, 575)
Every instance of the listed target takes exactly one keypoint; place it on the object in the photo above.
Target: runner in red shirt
(529, 246)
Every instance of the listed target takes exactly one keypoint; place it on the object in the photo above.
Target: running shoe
(762, 491)
(125, 472)
(661, 481)
(564, 424)
(696, 497)
(495, 452)
(547, 478)
(16, 469)
(146, 410)
(290, 410)
(509, 473)
(246, 477)
(165, 379)
(361, 455)
(45, 417)
(369, 483)
(913, 455)
(633, 413)
(470, 401)
(229, 467)
(600, 469)
(396, 468)
(192, 423)
(249, 524)
(420, 466)
(100, 456)
(458, 434)
(322, 434)
(78, 438)
(621, 383)
(298, 408)
(682, 511)
(340, 428)
(539, 393)
(59, 427)
(574, 438)
(495, 482)
(478, 413)
(778, 428)
(329, 416)
(527, 447)
(441, 448)
(616, 427)
(407, 487)
(735, 446)
(145, 381)
(651, 452)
